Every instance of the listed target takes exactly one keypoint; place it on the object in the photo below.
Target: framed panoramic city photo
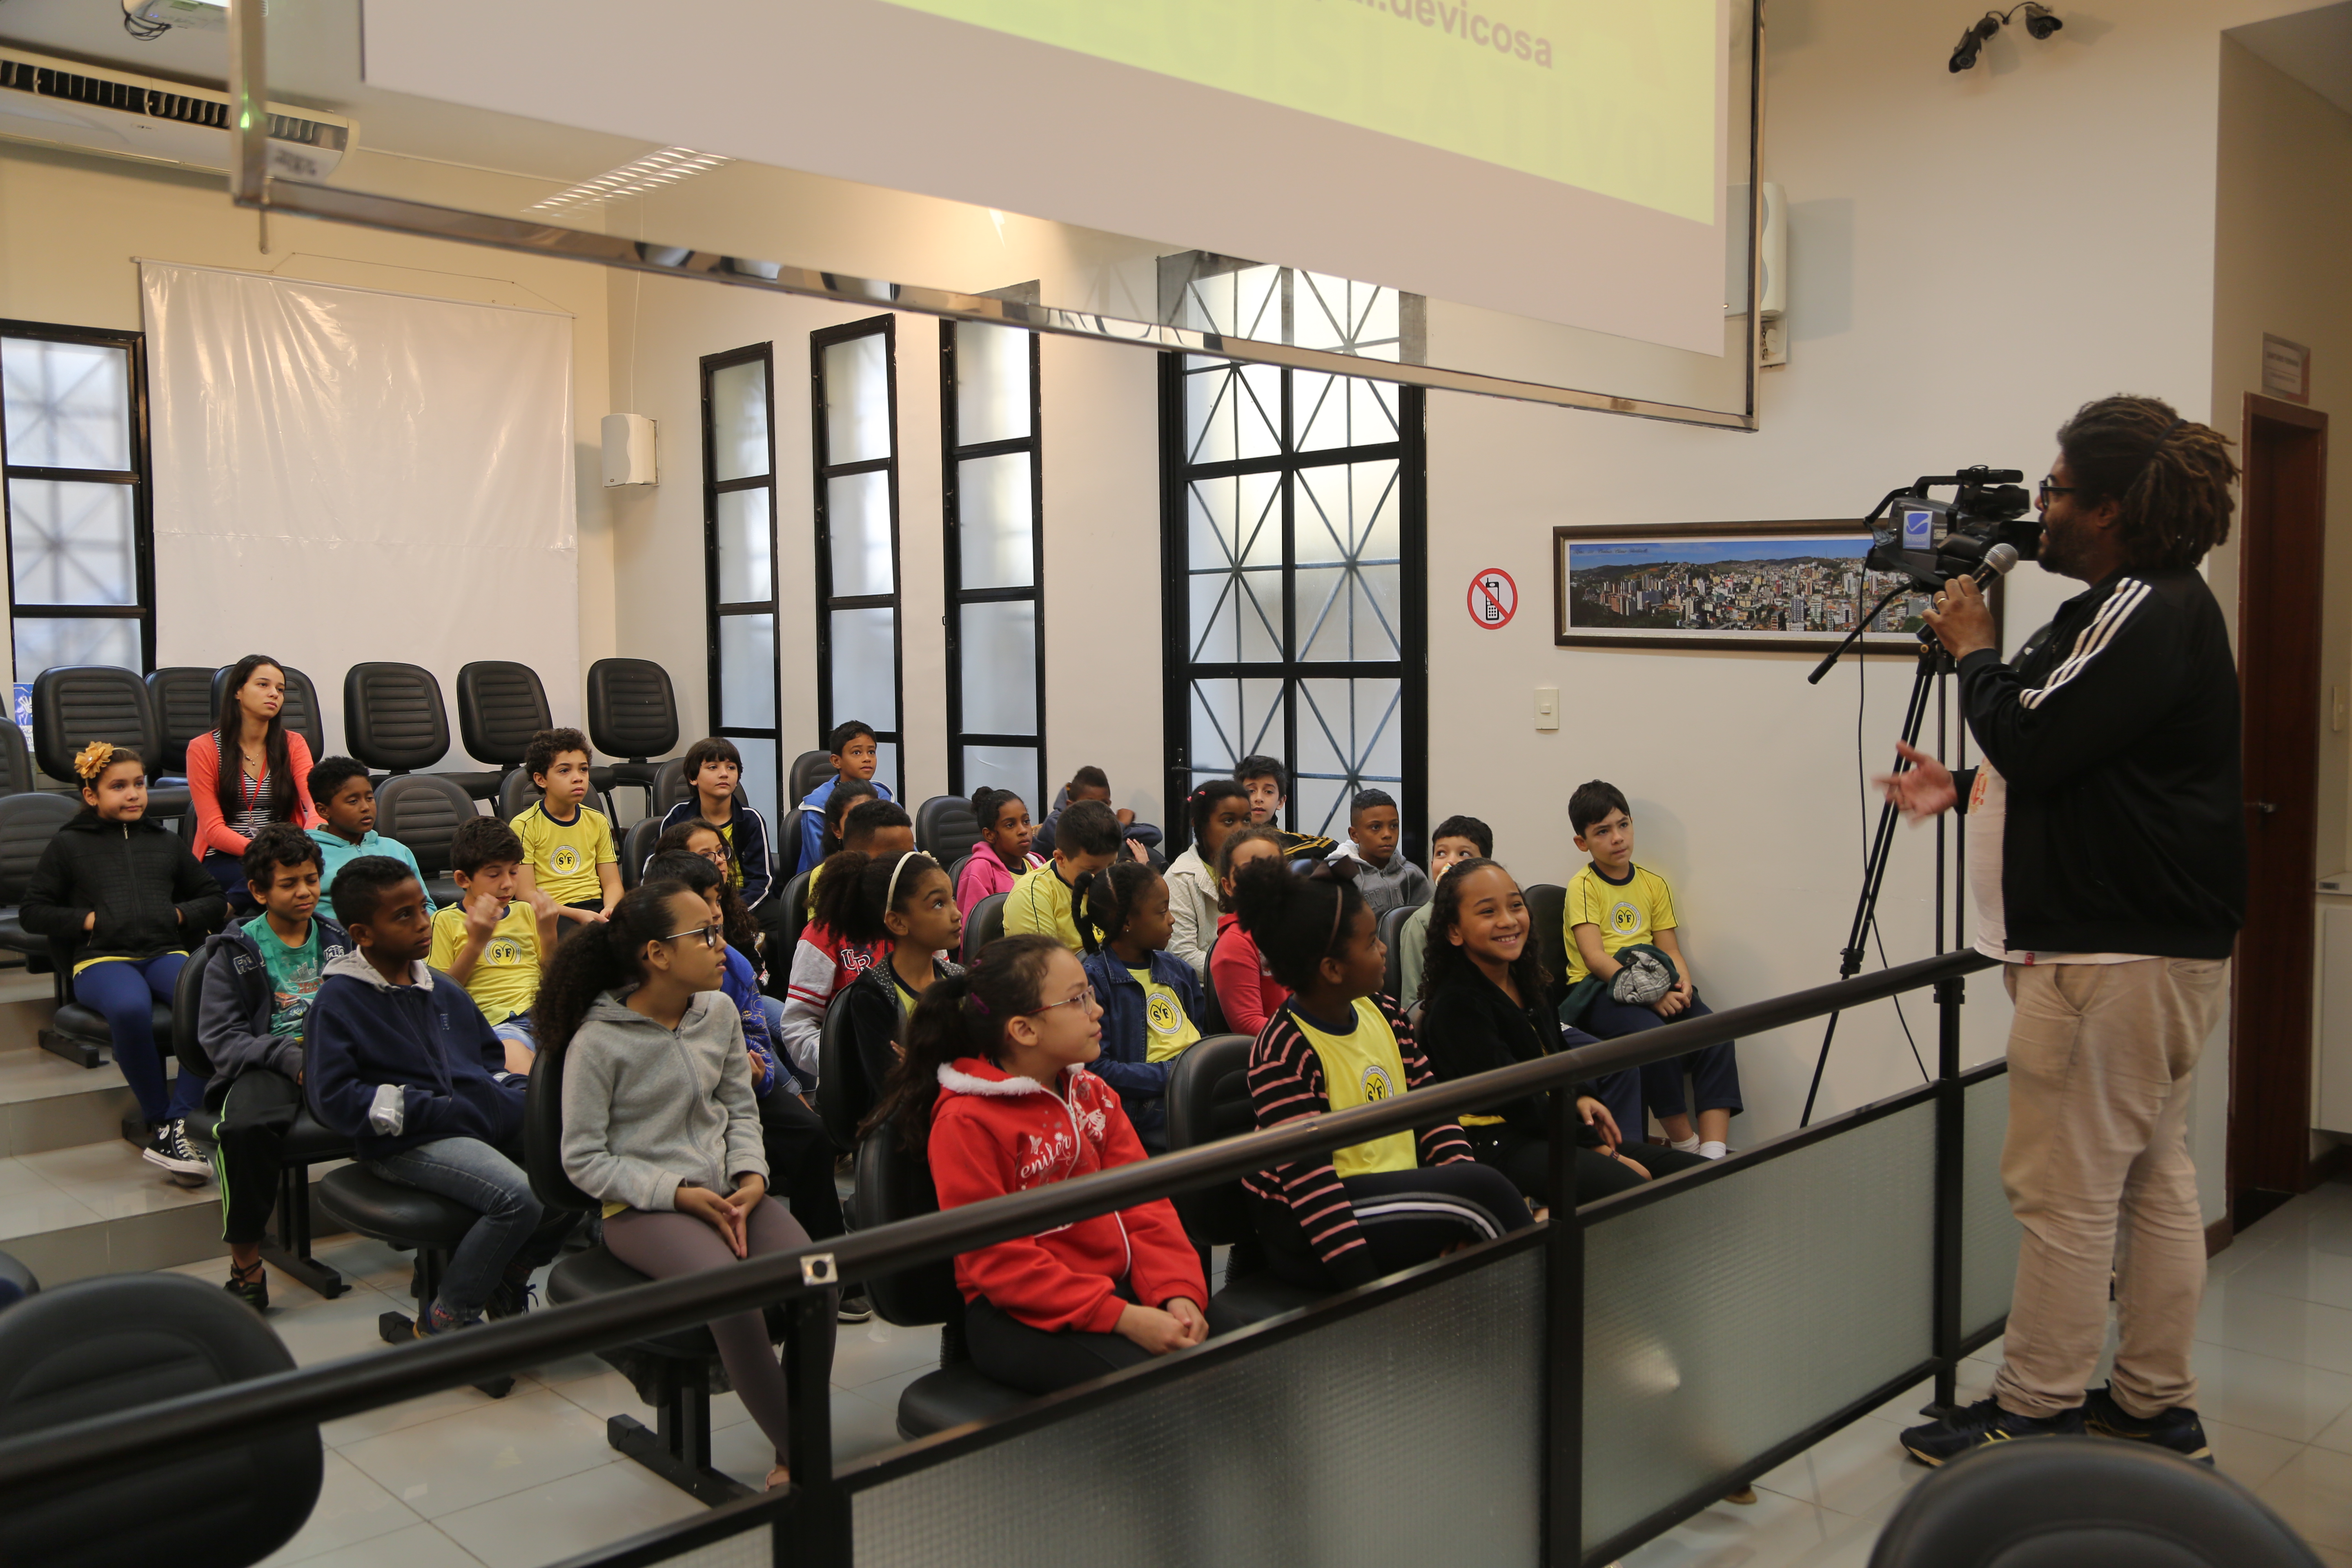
(1760, 586)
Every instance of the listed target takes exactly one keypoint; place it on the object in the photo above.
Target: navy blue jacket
(748, 844)
(428, 1038)
(1142, 1085)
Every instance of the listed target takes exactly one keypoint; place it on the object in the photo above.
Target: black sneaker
(2177, 1429)
(856, 1307)
(1980, 1424)
(512, 1299)
(169, 1148)
(253, 1289)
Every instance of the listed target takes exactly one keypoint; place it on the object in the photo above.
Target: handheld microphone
(1997, 560)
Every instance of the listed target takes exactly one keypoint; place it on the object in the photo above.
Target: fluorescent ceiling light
(635, 178)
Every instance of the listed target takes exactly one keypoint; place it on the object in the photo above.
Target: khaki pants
(2097, 1168)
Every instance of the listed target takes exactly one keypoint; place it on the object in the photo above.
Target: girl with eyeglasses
(993, 1090)
(660, 1121)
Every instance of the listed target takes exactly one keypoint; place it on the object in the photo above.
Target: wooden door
(2281, 536)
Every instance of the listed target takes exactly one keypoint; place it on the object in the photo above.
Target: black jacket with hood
(149, 893)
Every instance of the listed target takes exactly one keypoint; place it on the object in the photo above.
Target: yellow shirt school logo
(1623, 918)
(1161, 1013)
(1376, 1084)
(563, 860)
(504, 950)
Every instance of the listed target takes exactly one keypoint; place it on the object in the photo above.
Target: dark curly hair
(1100, 902)
(2169, 476)
(540, 756)
(1442, 962)
(960, 1016)
(1247, 833)
(850, 895)
(600, 959)
(280, 844)
(1297, 921)
(847, 794)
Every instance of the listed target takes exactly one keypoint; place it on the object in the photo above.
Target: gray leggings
(667, 1244)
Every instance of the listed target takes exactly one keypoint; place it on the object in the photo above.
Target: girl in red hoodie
(995, 1085)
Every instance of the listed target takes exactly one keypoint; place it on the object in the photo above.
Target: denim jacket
(1126, 1037)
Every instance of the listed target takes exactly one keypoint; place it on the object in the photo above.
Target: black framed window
(738, 532)
(854, 369)
(80, 527)
(1294, 512)
(992, 461)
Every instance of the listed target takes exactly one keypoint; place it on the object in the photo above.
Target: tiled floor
(91, 1182)
(2273, 1360)
(457, 1478)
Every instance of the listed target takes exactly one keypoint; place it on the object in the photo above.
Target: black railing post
(817, 1533)
(1951, 1134)
(1564, 1348)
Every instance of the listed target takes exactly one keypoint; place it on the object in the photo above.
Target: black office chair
(74, 704)
(786, 846)
(17, 1282)
(986, 924)
(632, 715)
(893, 1184)
(516, 793)
(675, 1373)
(300, 712)
(790, 920)
(1211, 1020)
(1208, 1099)
(668, 787)
(809, 770)
(15, 764)
(182, 695)
(27, 821)
(945, 827)
(102, 1346)
(1547, 908)
(424, 812)
(501, 706)
(394, 719)
(2083, 1503)
(1392, 927)
(412, 1220)
(307, 1143)
(80, 1034)
(845, 1097)
(636, 848)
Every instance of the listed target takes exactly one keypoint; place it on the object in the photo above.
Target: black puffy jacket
(150, 894)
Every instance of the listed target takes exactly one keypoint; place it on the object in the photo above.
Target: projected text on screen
(1613, 97)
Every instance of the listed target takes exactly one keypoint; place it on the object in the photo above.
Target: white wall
(70, 227)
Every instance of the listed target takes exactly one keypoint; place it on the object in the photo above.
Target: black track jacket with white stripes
(2118, 735)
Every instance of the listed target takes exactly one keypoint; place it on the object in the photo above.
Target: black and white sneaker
(856, 1307)
(171, 1149)
(1980, 1425)
(2177, 1429)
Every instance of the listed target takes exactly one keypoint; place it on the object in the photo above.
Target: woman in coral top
(268, 781)
(995, 1085)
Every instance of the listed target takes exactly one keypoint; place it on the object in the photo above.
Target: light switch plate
(1547, 706)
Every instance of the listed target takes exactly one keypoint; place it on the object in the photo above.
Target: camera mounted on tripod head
(1932, 541)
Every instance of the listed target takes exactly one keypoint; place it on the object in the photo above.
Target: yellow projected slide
(1613, 96)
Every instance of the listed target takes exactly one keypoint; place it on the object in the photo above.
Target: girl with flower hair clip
(129, 900)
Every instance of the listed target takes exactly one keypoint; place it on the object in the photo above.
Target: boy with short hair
(345, 796)
(260, 980)
(713, 767)
(490, 942)
(1456, 839)
(1039, 903)
(1090, 783)
(1615, 905)
(822, 961)
(569, 863)
(1386, 879)
(403, 1063)
(855, 753)
(1268, 783)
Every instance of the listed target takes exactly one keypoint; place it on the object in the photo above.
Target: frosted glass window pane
(1016, 768)
(1988, 1230)
(747, 671)
(856, 400)
(998, 533)
(866, 668)
(857, 515)
(1000, 669)
(43, 643)
(992, 384)
(885, 769)
(1350, 737)
(759, 780)
(739, 421)
(1235, 718)
(746, 553)
(1233, 411)
(72, 543)
(68, 404)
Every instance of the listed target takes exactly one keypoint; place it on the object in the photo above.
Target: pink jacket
(984, 875)
(213, 831)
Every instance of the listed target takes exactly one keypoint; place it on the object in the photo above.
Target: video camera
(1933, 542)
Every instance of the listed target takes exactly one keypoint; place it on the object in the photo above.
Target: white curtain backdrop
(344, 474)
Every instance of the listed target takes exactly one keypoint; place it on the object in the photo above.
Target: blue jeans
(124, 993)
(512, 1229)
(1659, 1086)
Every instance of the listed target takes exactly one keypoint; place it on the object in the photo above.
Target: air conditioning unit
(65, 103)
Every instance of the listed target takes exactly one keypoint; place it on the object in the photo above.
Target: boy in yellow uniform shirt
(490, 942)
(569, 863)
(1086, 841)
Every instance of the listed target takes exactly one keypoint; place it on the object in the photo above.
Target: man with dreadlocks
(2106, 852)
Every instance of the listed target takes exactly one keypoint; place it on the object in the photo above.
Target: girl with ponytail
(993, 1089)
(1150, 1000)
(1002, 855)
(898, 903)
(1216, 810)
(1372, 1208)
(659, 1117)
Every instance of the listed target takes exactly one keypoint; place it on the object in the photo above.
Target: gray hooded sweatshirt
(646, 1109)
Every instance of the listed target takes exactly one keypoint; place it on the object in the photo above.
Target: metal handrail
(284, 1401)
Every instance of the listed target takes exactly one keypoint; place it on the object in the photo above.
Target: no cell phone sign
(1494, 598)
